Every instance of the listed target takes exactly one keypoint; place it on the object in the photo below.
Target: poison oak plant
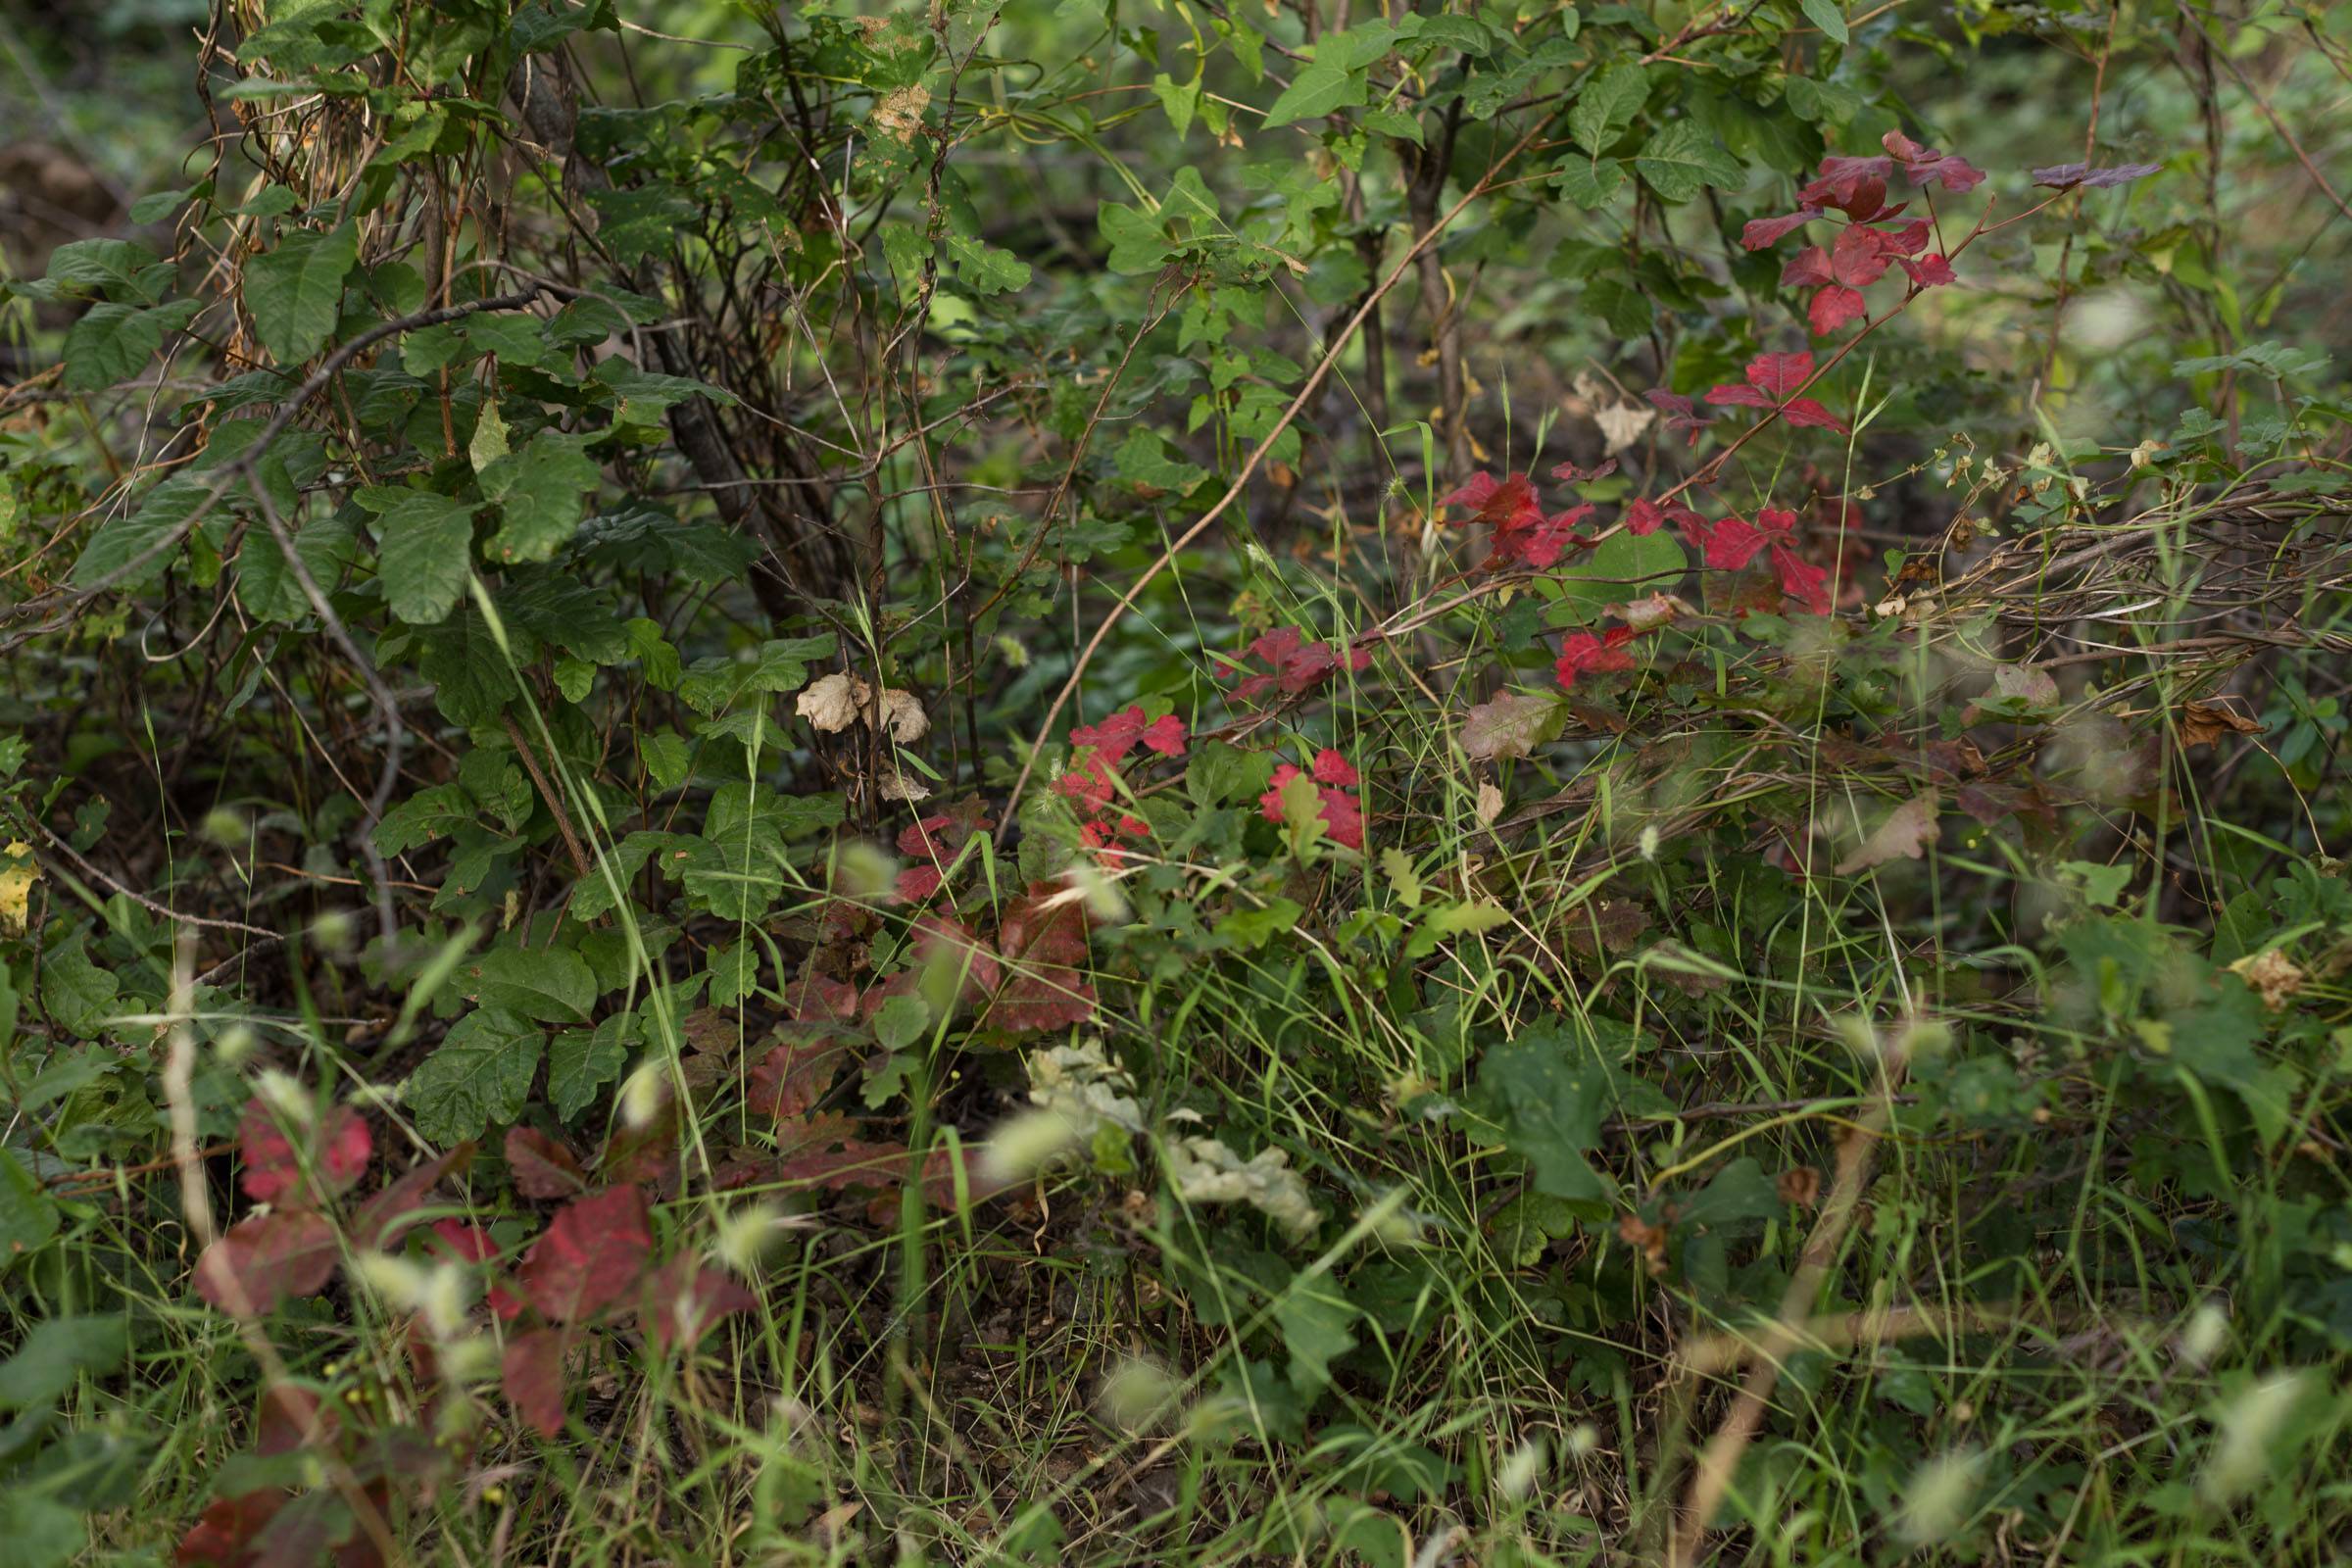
(747, 745)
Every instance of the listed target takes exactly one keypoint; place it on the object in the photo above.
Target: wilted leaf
(1511, 724)
(832, 703)
(2203, 722)
(1904, 833)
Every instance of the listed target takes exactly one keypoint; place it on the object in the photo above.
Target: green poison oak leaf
(593, 1254)
(294, 291)
(541, 493)
(478, 1077)
(424, 551)
(1550, 1093)
(551, 984)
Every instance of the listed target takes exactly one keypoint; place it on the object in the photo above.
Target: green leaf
(901, 1021)
(55, 1353)
(480, 1075)
(113, 343)
(40, 1530)
(1138, 243)
(77, 994)
(1825, 15)
(550, 984)
(430, 813)
(665, 757)
(295, 291)
(1591, 185)
(584, 1061)
(28, 1214)
(540, 492)
(1321, 88)
(268, 589)
(1621, 568)
(424, 551)
(1682, 159)
(1606, 106)
(122, 540)
(1314, 1318)
(986, 268)
(779, 665)
(1549, 1094)
(734, 971)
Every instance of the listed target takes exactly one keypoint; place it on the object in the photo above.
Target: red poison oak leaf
(1342, 814)
(1584, 652)
(1293, 665)
(1927, 272)
(1926, 166)
(261, 1260)
(542, 1169)
(2067, 176)
(685, 1299)
(1680, 414)
(1042, 945)
(338, 1147)
(531, 1373)
(1646, 517)
(592, 1255)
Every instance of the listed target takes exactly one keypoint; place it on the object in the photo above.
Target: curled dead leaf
(2273, 976)
(903, 717)
(1651, 612)
(1800, 1186)
(1903, 834)
(832, 703)
(2203, 722)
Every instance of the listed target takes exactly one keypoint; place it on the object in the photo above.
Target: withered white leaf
(831, 703)
(903, 716)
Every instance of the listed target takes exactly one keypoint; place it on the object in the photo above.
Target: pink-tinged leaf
(1904, 833)
(1806, 414)
(1807, 269)
(1570, 473)
(684, 1301)
(1927, 272)
(793, 1076)
(261, 1260)
(1926, 165)
(1833, 307)
(1908, 241)
(592, 1255)
(1738, 397)
(338, 1149)
(384, 1218)
(1680, 414)
(1541, 540)
(1646, 517)
(222, 1536)
(1856, 259)
(1779, 376)
(1510, 724)
(1802, 580)
(1855, 186)
(1331, 767)
(471, 1244)
(1041, 942)
(2065, 177)
(1762, 233)
(948, 947)
(542, 1169)
(1727, 544)
(1584, 654)
(531, 1372)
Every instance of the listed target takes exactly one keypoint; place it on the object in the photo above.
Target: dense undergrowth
(1027, 783)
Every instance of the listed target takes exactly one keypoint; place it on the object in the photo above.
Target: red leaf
(1738, 397)
(1166, 735)
(1924, 165)
(1585, 652)
(948, 944)
(1646, 517)
(1802, 580)
(387, 1216)
(1042, 942)
(1728, 544)
(1927, 272)
(1855, 186)
(1295, 663)
(1856, 259)
(1762, 233)
(1333, 768)
(2065, 177)
(592, 1255)
(685, 1301)
(1806, 413)
(1539, 543)
(1680, 416)
(853, 1164)
(1908, 241)
(1833, 307)
(261, 1260)
(471, 1244)
(1496, 501)
(532, 1374)
(1570, 473)
(1807, 269)
(1342, 814)
(542, 1169)
(223, 1537)
(1777, 376)
(339, 1152)
(795, 1075)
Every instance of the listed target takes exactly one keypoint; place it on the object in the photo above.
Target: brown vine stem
(1250, 466)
